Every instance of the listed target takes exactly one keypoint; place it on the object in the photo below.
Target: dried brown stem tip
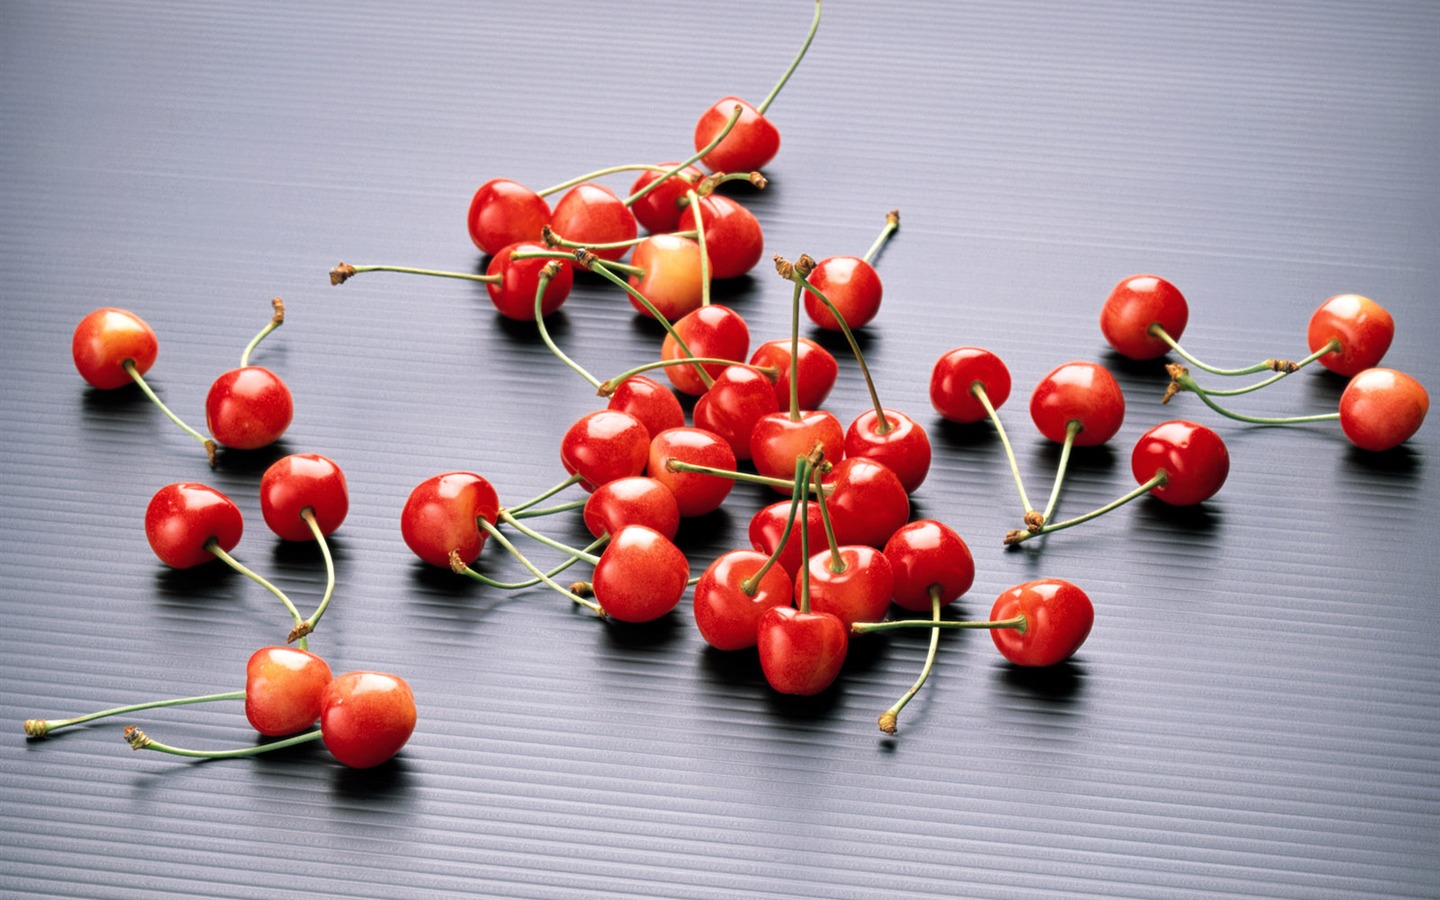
(893, 218)
(785, 267)
(341, 273)
(758, 180)
(583, 589)
(36, 728)
(1015, 536)
(210, 450)
(584, 258)
(1281, 365)
(298, 632)
(279, 306)
(457, 565)
(547, 236)
(1034, 520)
(887, 721)
(136, 738)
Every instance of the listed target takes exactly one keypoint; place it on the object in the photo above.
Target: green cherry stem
(545, 495)
(1187, 383)
(277, 318)
(680, 465)
(1072, 428)
(794, 64)
(680, 167)
(537, 512)
(1282, 366)
(805, 263)
(1016, 622)
(550, 270)
(889, 718)
(693, 199)
(804, 604)
(38, 728)
(595, 264)
(892, 222)
(343, 272)
(534, 570)
(978, 390)
(786, 270)
(1159, 478)
(214, 547)
(552, 238)
(300, 631)
(139, 740)
(601, 173)
(752, 584)
(547, 541)
(206, 442)
(609, 385)
(459, 567)
(837, 562)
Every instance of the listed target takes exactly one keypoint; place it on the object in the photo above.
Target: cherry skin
(867, 502)
(182, 518)
(1134, 305)
(604, 445)
(904, 449)
(641, 575)
(925, 555)
(715, 331)
(514, 295)
(503, 212)
(648, 400)
(636, 500)
(767, 525)
(1381, 408)
(658, 212)
(1058, 617)
(734, 240)
(735, 402)
(366, 717)
(105, 339)
(696, 493)
(778, 440)
(752, 142)
(861, 593)
(851, 284)
(441, 515)
(1078, 391)
(817, 366)
(592, 214)
(1193, 457)
(283, 689)
(248, 408)
(673, 281)
(1363, 327)
(298, 482)
(801, 653)
(954, 377)
(729, 618)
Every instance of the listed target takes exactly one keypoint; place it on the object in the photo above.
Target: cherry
(1078, 403)
(604, 445)
(591, 214)
(1056, 618)
(778, 439)
(732, 406)
(673, 277)
(732, 594)
(503, 212)
(641, 575)
(1359, 329)
(856, 588)
(710, 331)
(866, 501)
(441, 515)
(366, 717)
(734, 240)
(1140, 308)
(1381, 408)
(659, 210)
(767, 528)
(1190, 462)
(801, 653)
(515, 282)
(904, 448)
(106, 340)
(635, 500)
(185, 522)
(300, 483)
(696, 493)
(954, 381)
(248, 408)
(818, 371)
(283, 689)
(649, 401)
(931, 564)
(851, 285)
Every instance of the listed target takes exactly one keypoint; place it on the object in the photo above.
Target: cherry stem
(135, 376)
(1072, 428)
(552, 238)
(460, 568)
(775, 91)
(803, 466)
(601, 173)
(795, 352)
(892, 222)
(700, 240)
(537, 512)
(1156, 480)
(1330, 347)
(277, 318)
(214, 547)
(545, 495)
(595, 264)
(1186, 382)
(882, 425)
(1016, 622)
(535, 570)
(299, 632)
(343, 272)
(837, 562)
(680, 465)
(550, 270)
(139, 740)
(610, 385)
(679, 167)
(751, 585)
(549, 542)
(1281, 366)
(889, 718)
(978, 389)
(38, 728)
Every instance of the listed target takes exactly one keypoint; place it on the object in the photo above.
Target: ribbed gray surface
(1257, 712)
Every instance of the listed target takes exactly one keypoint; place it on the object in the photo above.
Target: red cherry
(298, 482)
(283, 689)
(641, 575)
(635, 500)
(751, 143)
(1192, 456)
(592, 214)
(514, 295)
(817, 367)
(801, 653)
(733, 405)
(860, 593)
(649, 401)
(248, 408)
(1363, 327)
(1058, 616)
(673, 279)
(697, 493)
(954, 377)
(1134, 305)
(366, 717)
(659, 211)
(733, 238)
(105, 339)
(604, 445)
(767, 525)
(1382, 408)
(442, 513)
(851, 284)
(183, 518)
(503, 212)
(778, 440)
(867, 502)
(729, 618)
(715, 331)
(925, 555)
(904, 448)
(1082, 392)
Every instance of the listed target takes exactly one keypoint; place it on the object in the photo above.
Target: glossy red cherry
(659, 211)
(850, 283)
(503, 212)
(954, 377)
(1058, 617)
(1382, 408)
(1082, 392)
(284, 687)
(298, 482)
(904, 449)
(1363, 327)
(442, 514)
(514, 294)
(641, 575)
(860, 593)
(750, 145)
(728, 617)
(183, 518)
(735, 402)
(778, 440)
(654, 404)
(801, 653)
(636, 500)
(1194, 459)
(768, 525)
(248, 408)
(366, 717)
(592, 214)
(927, 555)
(711, 331)
(817, 366)
(673, 279)
(867, 502)
(1136, 304)
(696, 493)
(105, 339)
(604, 445)
(734, 240)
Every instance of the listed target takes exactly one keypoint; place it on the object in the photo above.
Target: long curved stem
(609, 385)
(545, 494)
(892, 222)
(1072, 428)
(344, 271)
(978, 390)
(883, 425)
(700, 241)
(135, 376)
(465, 570)
(534, 570)
(534, 535)
(1016, 622)
(679, 167)
(37, 728)
(889, 718)
(837, 562)
(539, 511)
(794, 64)
(299, 632)
(603, 268)
(139, 740)
(752, 584)
(277, 318)
(1159, 478)
(548, 272)
(214, 547)
(1186, 382)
